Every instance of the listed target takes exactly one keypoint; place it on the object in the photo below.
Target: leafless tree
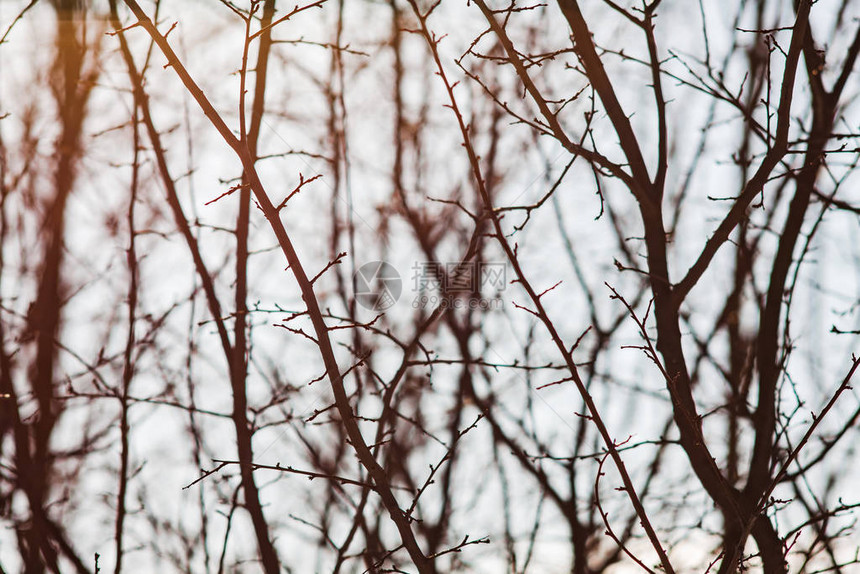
(625, 237)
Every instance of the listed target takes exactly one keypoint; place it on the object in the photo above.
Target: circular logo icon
(377, 285)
